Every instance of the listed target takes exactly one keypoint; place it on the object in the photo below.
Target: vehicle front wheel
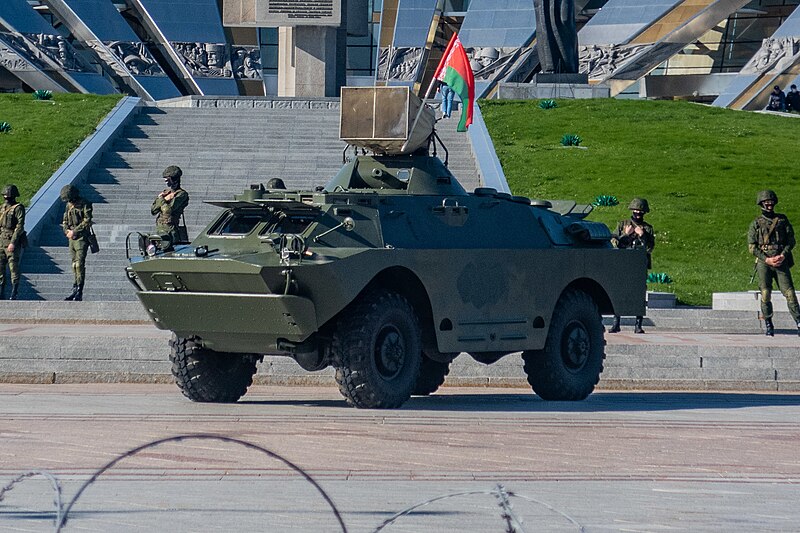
(377, 350)
(207, 376)
(569, 366)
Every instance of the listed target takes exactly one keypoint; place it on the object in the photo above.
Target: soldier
(169, 205)
(635, 233)
(76, 224)
(12, 239)
(771, 239)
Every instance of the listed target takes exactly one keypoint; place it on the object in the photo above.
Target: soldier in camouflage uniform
(634, 233)
(76, 223)
(169, 205)
(12, 239)
(771, 240)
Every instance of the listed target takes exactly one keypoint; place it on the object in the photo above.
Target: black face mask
(637, 216)
(173, 183)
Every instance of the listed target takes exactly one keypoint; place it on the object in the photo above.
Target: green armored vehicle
(388, 273)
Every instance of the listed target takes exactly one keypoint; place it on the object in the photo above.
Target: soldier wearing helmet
(634, 233)
(76, 223)
(771, 239)
(169, 205)
(12, 239)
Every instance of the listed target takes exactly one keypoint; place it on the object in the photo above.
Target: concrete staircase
(684, 349)
(221, 151)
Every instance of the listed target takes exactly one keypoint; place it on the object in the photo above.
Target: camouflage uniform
(77, 219)
(168, 212)
(772, 235)
(12, 231)
(622, 239)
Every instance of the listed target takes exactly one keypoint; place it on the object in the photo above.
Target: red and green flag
(454, 70)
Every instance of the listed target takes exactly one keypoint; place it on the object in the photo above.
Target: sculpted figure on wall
(399, 64)
(601, 61)
(556, 36)
(774, 52)
(216, 60)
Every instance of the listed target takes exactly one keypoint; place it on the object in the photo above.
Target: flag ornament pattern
(455, 71)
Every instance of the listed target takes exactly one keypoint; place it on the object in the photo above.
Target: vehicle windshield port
(291, 224)
(236, 224)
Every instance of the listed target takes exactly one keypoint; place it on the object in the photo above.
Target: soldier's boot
(14, 291)
(79, 293)
(637, 326)
(614, 325)
(3, 290)
(769, 329)
(72, 294)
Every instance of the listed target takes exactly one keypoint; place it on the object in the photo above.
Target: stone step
(138, 352)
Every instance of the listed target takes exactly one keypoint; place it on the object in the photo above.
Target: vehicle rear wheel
(431, 376)
(377, 350)
(571, 362)
(207, 376)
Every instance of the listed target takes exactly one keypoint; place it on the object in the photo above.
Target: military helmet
(69, 193)
(10, 191)
(173, 172)
(276, 183)
(639, 204)
(766, 195)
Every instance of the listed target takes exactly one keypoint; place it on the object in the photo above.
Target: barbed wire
(512, 522)
(53, 482)
(180, 438)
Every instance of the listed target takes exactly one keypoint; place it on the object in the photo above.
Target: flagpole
(433, 81)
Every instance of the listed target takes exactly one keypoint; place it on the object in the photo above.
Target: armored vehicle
(388, 273)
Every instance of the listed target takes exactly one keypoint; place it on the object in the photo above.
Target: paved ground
(619, 461)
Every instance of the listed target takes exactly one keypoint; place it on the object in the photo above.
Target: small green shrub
(548, 103)
(5, 127)
(658, 277)
(42, 95)
(605, 200)
(570, 139)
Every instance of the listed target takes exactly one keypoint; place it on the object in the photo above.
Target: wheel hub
(390, 352)
(575, 346)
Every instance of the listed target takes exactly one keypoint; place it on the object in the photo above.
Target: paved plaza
(619, 461)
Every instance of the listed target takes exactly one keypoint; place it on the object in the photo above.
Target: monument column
(312, 40)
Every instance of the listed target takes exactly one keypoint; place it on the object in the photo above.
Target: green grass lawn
(44, 134)
(700, 168)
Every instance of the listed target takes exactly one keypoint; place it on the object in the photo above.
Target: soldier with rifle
(169, 205)
(634, 233)
(771, 239)
(12, 239)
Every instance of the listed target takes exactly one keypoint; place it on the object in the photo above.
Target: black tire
(208, 376)
(431, 376)
(377, 351)
(569, 366)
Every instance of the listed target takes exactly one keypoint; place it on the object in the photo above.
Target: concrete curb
(483, 151)
(46, 202)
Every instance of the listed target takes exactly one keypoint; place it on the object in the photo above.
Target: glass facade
(362, 51)
(729, 46)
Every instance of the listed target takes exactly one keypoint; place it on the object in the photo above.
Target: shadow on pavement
(597, 402)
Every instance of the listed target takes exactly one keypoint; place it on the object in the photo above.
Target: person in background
(777, 100)
(793, 99)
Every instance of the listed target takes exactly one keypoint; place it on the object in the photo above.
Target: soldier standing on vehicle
(771, 240)
(634, 233)
(12, 239)
(169, 205)
(76, 223)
